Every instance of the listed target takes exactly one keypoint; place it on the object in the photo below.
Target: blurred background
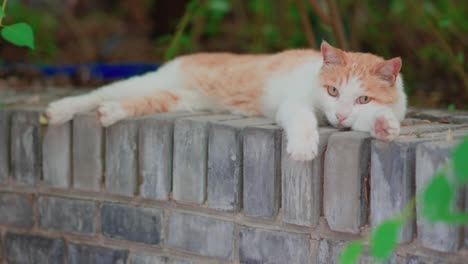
(430, 36)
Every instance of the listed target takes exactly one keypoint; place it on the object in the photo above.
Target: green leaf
(451, 107)
(384, 238)
(2, 13)
(456, 218)
(437, 197)
(460, 161)
(19, 34)
(350, 253)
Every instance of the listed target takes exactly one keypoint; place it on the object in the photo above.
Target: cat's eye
(332, 91)
(363, 99)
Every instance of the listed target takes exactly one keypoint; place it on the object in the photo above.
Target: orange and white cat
(297, 88)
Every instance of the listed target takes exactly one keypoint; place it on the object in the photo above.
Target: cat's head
(355, 85)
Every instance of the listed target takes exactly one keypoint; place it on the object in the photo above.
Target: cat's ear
(332, 55)
(388, 70)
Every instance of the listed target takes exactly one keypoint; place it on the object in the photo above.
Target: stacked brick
(211, 188)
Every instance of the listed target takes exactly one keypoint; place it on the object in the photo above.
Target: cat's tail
(166, 77)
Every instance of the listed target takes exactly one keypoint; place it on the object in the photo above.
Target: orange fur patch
(362, 66)
(160, 102)
(238, 80)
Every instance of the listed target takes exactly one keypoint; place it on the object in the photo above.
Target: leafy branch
(436, 199)
(19, 34)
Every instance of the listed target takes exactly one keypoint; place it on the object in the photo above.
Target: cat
(297, 88)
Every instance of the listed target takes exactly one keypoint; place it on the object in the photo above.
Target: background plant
(436, 201)
(431, 36)
(20, 33)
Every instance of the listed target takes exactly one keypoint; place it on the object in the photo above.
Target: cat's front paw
(60, 111)
(303, 146)
(110, 112)
(386, 127)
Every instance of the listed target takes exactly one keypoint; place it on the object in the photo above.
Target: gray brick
(201, 235)
(190, 157)
(121, 157)
(4, 148)
(87, 152)
(265, 246)
(329, 251)
(262, 172)
(460, 119)
(346, 174)
(302, 184)
(28, 249)
(225, 162)
(438, 115)
(135, 224)
(155, 154)
(56, 155)
(143, 258)
(430, 157)
(25, 148)
(16, 210)
(393, 174)
(428, 130)
(67, 215)
(392, 181)
(78, 254)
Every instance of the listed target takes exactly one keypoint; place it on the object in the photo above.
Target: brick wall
(211, 188)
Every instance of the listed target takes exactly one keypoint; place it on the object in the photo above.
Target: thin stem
(180, 29)
(318, 11)
(309, 32)
(337, 24)
(3, 8)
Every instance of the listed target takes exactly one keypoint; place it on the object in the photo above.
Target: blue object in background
(102, 71)
(118, 71)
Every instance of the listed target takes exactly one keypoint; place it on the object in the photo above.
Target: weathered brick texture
(137, 224)
(29, 249)
(67, 215)
(201, 235)
(143, 258)
(121, 158)
(78, 254)
(25, 148)
(302, 184)
(190, 157)
(56, 154)
(87, 152)
(265, 246)
(225, 154)
(430, 157)
(346, 173)
(4, 147)
(262, 172)
(179, 188)
(156, 152)
(16, 209)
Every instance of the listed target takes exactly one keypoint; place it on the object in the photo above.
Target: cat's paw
(60, 111)
(386, 127)
(110, 112)
(303, 146)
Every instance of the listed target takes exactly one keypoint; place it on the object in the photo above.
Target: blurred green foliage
(430, 36)
(40, 21)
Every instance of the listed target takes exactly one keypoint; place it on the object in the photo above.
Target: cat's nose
(340, 117)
